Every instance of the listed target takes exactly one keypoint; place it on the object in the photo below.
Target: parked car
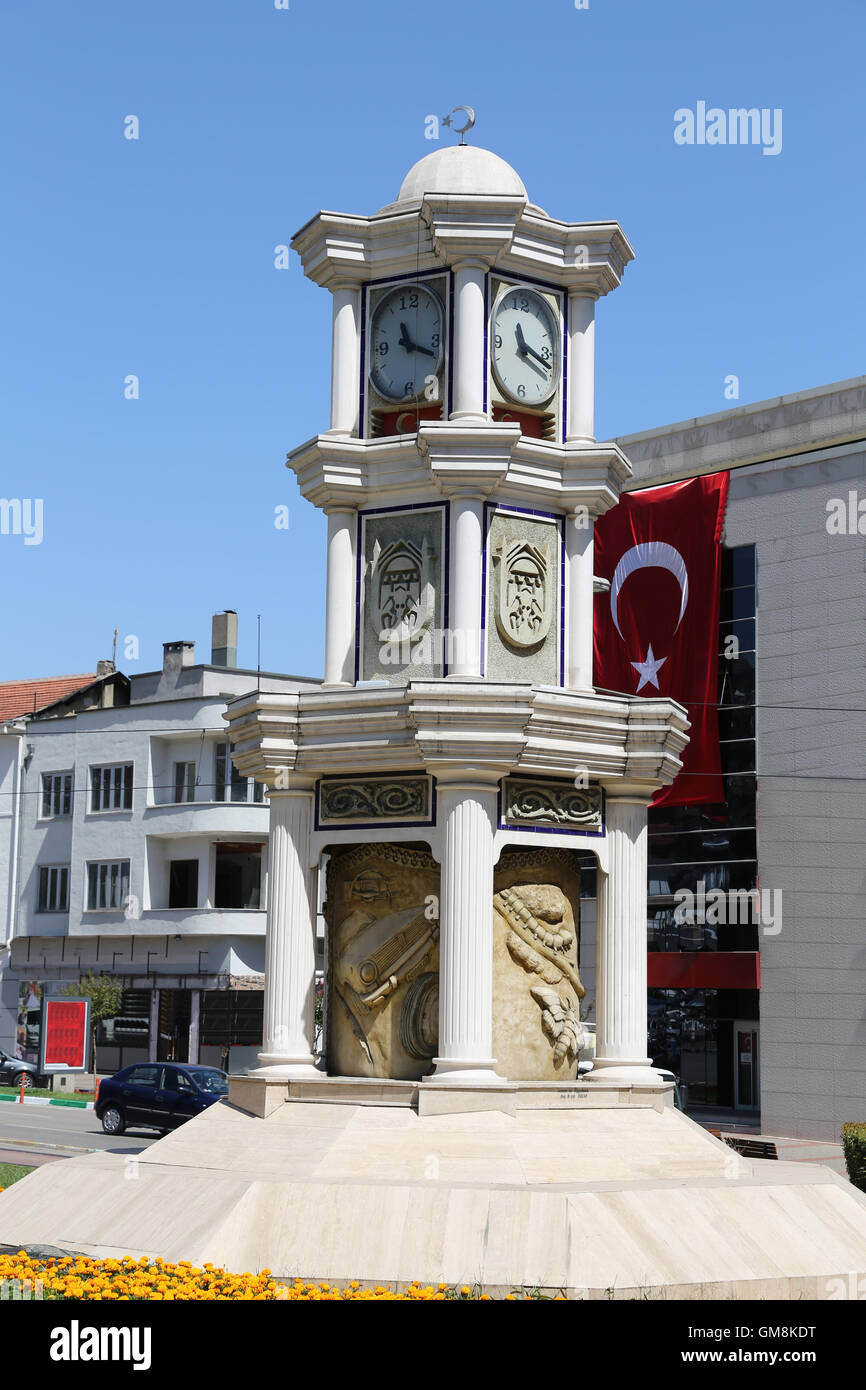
(13, 1071)
(158, 1095)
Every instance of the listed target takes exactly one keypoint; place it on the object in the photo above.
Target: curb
(49, 1100)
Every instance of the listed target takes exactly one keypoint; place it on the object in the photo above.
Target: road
(42, 1127)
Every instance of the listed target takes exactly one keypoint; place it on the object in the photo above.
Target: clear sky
(155, 258)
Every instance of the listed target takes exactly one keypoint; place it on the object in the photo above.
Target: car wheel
(112, 1120)
(23, 1078)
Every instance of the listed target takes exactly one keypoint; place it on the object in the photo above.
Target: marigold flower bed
(79, 1277)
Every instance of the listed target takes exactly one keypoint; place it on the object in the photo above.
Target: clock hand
(523, 348)
(538, 357)
(406, 342)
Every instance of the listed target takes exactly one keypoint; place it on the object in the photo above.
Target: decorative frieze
(374, 800)
(551, 805)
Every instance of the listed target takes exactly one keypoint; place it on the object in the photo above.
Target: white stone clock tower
(454, 772)
(456, 765)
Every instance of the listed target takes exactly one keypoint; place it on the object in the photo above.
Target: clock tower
(456, 767)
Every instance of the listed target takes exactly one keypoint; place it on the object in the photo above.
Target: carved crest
(524, 593)
(402, 592)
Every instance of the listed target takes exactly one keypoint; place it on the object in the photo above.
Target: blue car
(159, 1095)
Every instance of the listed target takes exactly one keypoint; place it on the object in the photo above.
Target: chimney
(105, 668)
(176, 655)
(224, 639)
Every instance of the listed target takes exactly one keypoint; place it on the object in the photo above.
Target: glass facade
(706, 848)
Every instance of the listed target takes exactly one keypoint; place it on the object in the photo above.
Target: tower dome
(459, 169)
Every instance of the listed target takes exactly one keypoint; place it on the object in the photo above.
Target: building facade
(132, 847)
(771, 1013)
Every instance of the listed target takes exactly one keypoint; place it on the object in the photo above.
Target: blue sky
(155, 257)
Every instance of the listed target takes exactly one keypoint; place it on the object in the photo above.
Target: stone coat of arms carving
(402, 592)
(524, 592)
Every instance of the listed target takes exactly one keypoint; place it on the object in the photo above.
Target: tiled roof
(25, 697)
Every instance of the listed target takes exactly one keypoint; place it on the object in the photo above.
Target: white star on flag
(648, 669)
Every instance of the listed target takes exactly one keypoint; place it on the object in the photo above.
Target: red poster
(656, 631)
(64, 1024)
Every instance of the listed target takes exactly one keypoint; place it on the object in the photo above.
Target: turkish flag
(656, 632)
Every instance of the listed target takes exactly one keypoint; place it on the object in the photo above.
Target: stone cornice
(450, 459)
(502, 230)
(587, 257)
(461, 226)
(628, 744)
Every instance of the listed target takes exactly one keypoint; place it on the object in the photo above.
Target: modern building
(771, 1014)
(132, 847)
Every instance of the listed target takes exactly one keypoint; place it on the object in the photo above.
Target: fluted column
(340, 598)
(467, 542)
(621, 967)
(581, 367)
(290, 944)
(345, 359)
(469, 323)
(467, 811)
(579, 552)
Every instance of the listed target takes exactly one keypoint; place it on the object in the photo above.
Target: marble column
(621, 966)
(467, 544)
(290, 944)
(579, 551)
(340, 597)
(469, 324)
(581, 367)
(467, 813)
(345, 359)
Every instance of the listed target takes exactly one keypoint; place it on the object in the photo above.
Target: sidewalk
(68, 1103)
(787, 1150)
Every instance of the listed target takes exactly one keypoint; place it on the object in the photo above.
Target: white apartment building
(131, 846)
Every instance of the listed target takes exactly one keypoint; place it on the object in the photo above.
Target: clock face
(406, 344)
(525, 347)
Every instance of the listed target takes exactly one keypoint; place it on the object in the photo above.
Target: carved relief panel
(401, 588)
(537, 1033)
(383, 961)
(524, 594)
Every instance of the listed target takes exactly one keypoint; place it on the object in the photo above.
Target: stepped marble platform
(615, 1194)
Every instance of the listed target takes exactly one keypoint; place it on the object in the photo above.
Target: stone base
(583, 1189)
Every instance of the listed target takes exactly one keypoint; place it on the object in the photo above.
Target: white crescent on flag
(647, 555)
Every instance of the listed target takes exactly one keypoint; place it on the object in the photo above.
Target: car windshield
(215, 1083)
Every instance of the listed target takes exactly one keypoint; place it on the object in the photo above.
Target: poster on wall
(65, 1035)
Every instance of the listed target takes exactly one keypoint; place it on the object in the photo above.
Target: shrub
(854, 1146)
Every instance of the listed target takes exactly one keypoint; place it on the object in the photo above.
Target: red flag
(656, 631)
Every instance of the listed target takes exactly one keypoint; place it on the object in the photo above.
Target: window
(183, 883)
(111, 788)
(176, 1081)
(230, 784)
(184, 781)
(53, 888)
(56, 794)
(107, 885)
(238, 876)
(143, 1076)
